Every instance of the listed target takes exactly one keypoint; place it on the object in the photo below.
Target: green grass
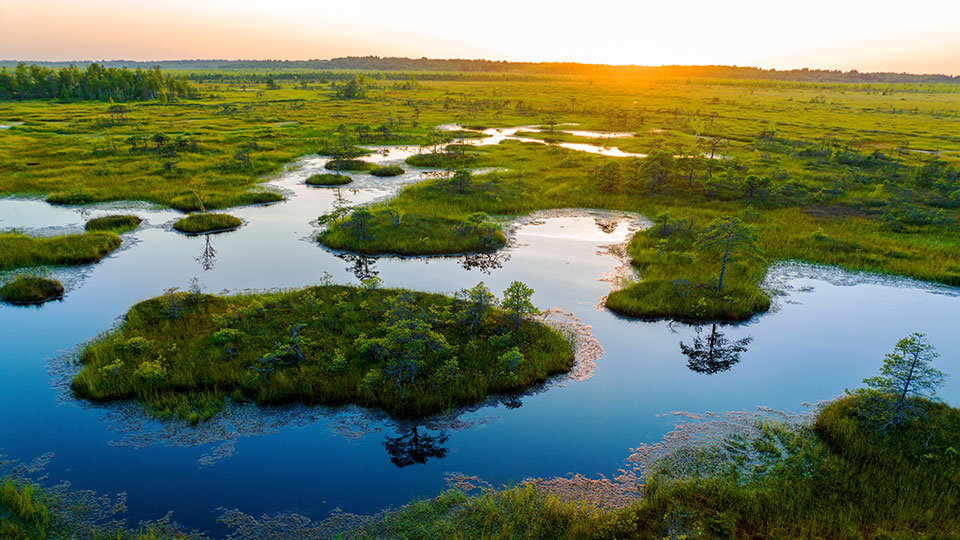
(118, 223)
(21, 251)
(328, 179)
(24, 290)
(184, 354)
(836, 480)
(355, 165)
(413, 235)
(390, 170)
(816, 169)
(206, 223)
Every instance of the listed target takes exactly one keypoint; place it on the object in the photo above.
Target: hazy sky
(877, 35)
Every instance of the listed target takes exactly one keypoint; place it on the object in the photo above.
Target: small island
(389, 170)
(328, 179)
(115, 223)
(184, 354)
(355, 165)
(30, 290)
(207, 223)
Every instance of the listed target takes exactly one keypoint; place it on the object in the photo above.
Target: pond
(829, 330)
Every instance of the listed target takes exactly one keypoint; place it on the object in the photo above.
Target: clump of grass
(21, 251)
(328, 179)
(390, 170)
(442, 160)
(189, 203)
(386, 231)
(24, 290)
(72, 197)
(22, 514)
(410, 354)
(118, 223)
(207, 223)
(349, 165)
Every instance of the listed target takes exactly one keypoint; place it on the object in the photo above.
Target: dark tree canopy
(95, 83)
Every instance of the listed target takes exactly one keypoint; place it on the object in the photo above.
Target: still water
(829, 330)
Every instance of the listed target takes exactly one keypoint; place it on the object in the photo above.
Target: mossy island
(389, 170)
(116, 223)
(389, 230)
(19, 250)
(328, 179)
(207, 223)
(30, 290)
(184, 354)
(443, 160)
(354, 165)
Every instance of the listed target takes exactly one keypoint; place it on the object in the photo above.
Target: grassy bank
(22, 251)
(117, 223)
(328, 179)
(25, 290)
(834, 479)
(206, 223)
(410, 354)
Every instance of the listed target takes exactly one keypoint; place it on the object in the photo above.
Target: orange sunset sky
(922, 36)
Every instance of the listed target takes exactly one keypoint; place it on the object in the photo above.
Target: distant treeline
(95, 82)
(377, 63)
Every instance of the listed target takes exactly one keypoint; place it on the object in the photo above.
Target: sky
(920, 36)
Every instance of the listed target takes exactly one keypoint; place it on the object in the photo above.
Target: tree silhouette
(713, 353)
(728, 237)
(412, 447)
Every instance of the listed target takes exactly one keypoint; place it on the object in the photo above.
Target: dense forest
(95, 82)
(377, 63)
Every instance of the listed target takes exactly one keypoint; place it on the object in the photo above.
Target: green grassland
(859, 175)
(410, 354)
(19, 250)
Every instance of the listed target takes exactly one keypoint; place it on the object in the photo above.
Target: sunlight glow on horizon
(883, 35)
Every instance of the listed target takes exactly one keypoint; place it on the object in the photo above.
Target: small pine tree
(891, 397)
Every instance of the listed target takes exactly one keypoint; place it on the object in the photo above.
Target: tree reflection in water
(413, 447)
(485, 262)
(207, 257)
(713, 353)
(360, 266)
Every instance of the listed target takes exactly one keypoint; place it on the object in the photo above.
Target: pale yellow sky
(922, 36)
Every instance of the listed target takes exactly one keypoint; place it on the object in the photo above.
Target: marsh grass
(354, 165)
(24, 290)
(21, 251)
(835, 479)
(328, 179)
(389, 170)
(117, 223)
(414, 235)
(207, 223)
(184, 354)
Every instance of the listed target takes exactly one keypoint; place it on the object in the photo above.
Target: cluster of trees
(95, 82)
(558, 68)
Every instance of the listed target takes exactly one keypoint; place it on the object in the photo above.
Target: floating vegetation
(27, 290)
(328, 179)
(389, 170)
(116, 223)
(207, 223)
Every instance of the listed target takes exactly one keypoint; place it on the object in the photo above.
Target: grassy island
(26, 290)
(354, 165)
(389, 170)
(117, 223)
(383, 231)
(328, 179)
(410, 354)
(22, 251)
(207, 223)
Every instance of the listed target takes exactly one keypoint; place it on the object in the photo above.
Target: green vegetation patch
(25, 290)
(355, 165)
(410, 354)
(443, 160)
(23, 516)
(206, 223)
(118, 224)
(389, 170)
(388, 230)
(328, 179)
(21, 251)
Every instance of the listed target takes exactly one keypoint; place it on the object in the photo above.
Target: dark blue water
(830, 331)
